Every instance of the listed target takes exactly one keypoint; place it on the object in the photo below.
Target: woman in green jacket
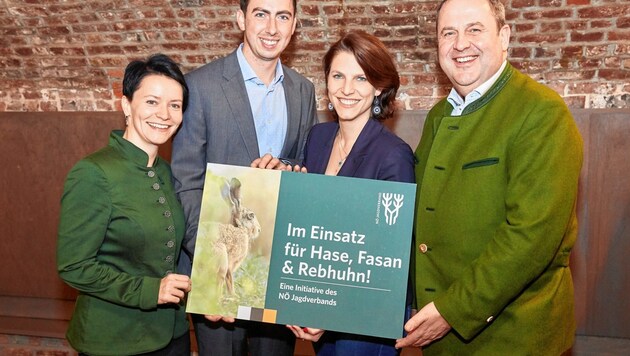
(121, 227)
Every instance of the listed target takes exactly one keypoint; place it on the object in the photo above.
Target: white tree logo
(391, 212)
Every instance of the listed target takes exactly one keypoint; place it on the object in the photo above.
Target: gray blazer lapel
(293, 98)
(236, 95)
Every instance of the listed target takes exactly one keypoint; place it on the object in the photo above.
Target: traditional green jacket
(496, 220)
(120, 233)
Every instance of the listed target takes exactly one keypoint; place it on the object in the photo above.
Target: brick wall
(64, 55)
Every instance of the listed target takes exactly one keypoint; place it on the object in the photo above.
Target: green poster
(303, 249)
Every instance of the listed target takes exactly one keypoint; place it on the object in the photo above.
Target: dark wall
(38, 149)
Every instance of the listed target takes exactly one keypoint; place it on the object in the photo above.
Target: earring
(126, 120)
(330, 107)
(376, 106)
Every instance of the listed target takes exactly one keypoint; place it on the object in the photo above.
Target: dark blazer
(377, 153)
(218, 127)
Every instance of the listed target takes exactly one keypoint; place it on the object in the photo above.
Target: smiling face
(471, 47)
(348, 88)
(155, 112)
(268, 27)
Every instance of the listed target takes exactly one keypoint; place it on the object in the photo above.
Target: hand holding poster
(303, 249)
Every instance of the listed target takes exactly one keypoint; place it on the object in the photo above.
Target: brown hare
(232, 243)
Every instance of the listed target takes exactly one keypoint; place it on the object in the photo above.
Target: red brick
(9, 63)
(172, 35)
(593, 51)
(543, 38)
(623, 22)
(395, 21)
(601, 23)
(404, 32)
(586, 37)
(332, 10)
(62, 20)
(570, 75)
(532, 66)
(400, 7)
(354, 10)
(419, 90)
(589, 63)
(67, 51)
(578, 2)
(572, 51)
(603, 11)
(619, 36)
(309, 10)
(103, 105)
(544, 52)
(613, 62)
(98, 50)
(549, 3)
(524, 27)
(29, 11)
(576, 25)
(381, 10)
(342, 22)
(613, 74)
(557, 14)
(523, 3)
(555, 26)
(622, 49)
(519, 52)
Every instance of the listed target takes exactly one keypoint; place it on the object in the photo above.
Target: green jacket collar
(130, 151)
(488, 96)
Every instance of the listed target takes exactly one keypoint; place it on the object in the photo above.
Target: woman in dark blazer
(121, 227)
(362, 81)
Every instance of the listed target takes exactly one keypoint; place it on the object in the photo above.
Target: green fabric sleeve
(85, 215)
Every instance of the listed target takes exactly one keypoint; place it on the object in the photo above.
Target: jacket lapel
(359, 151)
(293, 99)
(325, 151)
(236, 95)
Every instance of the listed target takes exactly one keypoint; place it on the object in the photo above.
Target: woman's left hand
(173, 288)
(310, 334)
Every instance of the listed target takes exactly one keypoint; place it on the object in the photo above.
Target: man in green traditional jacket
(499, 161)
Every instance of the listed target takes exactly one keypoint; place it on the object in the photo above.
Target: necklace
(342, 152)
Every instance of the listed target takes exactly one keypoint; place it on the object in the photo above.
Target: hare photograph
(234, 239)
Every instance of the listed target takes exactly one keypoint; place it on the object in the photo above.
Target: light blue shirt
(269, 107)
(459, 103)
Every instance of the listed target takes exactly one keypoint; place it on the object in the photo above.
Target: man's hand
(423, 328)
(268, 162)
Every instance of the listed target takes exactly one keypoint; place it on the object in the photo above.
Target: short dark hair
(496, 6)
(376, 62)
(159, 64)
(244, 4)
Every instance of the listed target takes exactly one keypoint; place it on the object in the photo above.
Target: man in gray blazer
(242, 107)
